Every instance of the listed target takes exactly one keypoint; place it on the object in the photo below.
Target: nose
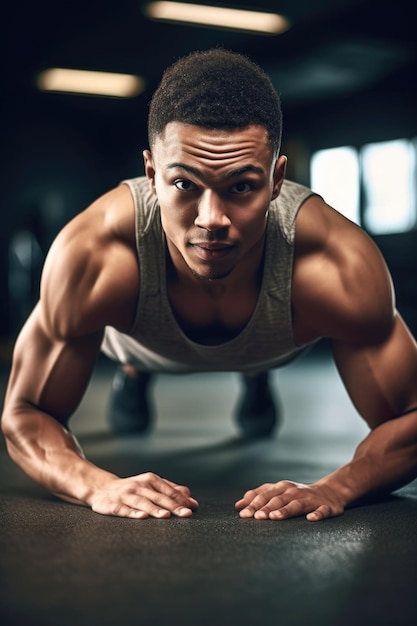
(211, 212)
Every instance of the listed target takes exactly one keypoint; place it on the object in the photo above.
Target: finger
(262, 514)
(157, 504)
(274, 504)
(292, 509)
(250, 496)
(126, 511)
(322, 512)
(257, 503)
(173, 491)
(149, 508)
(185, 490)
(155, 485)
(122, 509)
(247, 499)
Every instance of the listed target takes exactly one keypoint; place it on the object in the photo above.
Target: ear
(149, 168)
(279, 175)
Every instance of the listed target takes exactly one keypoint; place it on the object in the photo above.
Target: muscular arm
(90, 280)
(382, 383)
(346, 289)
(47, 381)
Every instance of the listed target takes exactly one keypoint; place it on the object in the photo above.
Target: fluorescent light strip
(238, 19)
(91, 83)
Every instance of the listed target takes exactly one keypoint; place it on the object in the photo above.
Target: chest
(211, 319)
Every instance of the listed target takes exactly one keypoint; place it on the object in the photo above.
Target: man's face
(214, 188)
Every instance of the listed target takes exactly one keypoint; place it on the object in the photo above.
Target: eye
(184, 185)
(241, 188)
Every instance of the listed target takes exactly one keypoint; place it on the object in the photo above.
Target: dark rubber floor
(64, 565)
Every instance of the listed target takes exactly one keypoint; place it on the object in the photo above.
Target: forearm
(51, 456)
(386, 460)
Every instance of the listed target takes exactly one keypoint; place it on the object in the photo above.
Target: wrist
(80, 485)
(347, 483)
(94, 482)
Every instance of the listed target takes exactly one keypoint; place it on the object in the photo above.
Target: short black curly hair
(216, 88)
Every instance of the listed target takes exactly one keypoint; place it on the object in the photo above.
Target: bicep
(50, 374)
(381, 378)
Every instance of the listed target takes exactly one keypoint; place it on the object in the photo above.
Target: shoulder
(91, 276)
(284, 208)
(342, 288)
(291, 196)
(292, 192)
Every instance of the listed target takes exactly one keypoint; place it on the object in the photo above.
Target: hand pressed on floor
(143, 496)
(285, 499)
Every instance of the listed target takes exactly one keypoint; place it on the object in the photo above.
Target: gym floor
(63, 564)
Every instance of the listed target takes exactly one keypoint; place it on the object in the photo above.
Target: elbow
(10, 430)
(7, 425)
(14, 426)
(10, 427)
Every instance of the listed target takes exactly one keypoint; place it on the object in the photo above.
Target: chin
(212, 275)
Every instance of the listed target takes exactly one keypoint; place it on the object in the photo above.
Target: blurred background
(346, 72)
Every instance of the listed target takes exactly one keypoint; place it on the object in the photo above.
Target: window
(387, 173)
(335, 176)
(389, 196)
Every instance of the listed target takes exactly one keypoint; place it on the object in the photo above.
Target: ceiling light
(239, 19)
(91, 83)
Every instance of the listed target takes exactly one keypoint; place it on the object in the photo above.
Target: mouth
(212, 251)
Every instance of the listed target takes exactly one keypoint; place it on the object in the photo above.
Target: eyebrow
(231, 174)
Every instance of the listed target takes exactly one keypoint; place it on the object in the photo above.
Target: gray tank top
(157, 343)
